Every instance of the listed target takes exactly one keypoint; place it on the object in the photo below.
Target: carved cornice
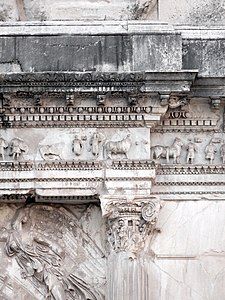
(92, 82)
(70, 117)
(32, 197)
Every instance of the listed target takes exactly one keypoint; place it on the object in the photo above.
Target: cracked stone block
(199, 12)
(77, 53)
(205, 55)
(185, 231)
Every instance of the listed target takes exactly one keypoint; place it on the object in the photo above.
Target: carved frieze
(188, 149)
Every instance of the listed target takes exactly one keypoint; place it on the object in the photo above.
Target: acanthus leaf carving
(129, 223)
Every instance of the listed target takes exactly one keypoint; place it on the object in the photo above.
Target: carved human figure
(210, 151)
(17, 148)
(118, 147)
(222, 153)
(78, 144)
(191, 149)
(95, 143)
(3, 146)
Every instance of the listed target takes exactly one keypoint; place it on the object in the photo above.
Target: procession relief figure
(3, 146)
(78, 144)
(17, 148)
(191, 149)
(95, 143)
(222, 153)
(210, 151)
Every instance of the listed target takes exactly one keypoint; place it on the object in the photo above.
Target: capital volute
(129, 222)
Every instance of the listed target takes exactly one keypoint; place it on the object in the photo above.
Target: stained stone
(112, 150)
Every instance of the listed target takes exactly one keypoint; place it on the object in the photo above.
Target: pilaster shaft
(130, 225)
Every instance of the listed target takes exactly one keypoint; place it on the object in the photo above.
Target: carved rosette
(130, 223)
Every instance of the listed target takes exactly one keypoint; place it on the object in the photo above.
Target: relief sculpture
(113, 148)
(44, 258)
(95, 143)
(3, 146)
(78, 144)
(210, 151)
(129, 224)
(167, 152)
(191, 150)
(17, 148)
(51, 152)
(222, 153)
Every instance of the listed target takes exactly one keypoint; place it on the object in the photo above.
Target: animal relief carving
(113, 148)
(173, 151)
(51, 152)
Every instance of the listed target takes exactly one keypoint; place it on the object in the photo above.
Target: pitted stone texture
(200, 12)
(8, 10)
(44, 249)
(90, 9)
(157, 52)
(78, 53)
(205, 55)
(103, 53)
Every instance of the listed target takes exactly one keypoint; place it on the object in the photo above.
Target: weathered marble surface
(184, 258)
(108, 46)
(52, 250)
(199, 12)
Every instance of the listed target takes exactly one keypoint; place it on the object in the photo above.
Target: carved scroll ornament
(130, 223)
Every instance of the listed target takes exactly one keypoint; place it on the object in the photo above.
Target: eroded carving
(95, 143)
(173, 151)
(210, 151)
(51, 152)
(191, 150)
(3, 146)
(118, 147)
(222, 152)
(42, 256)
(17, 148)
(78, 143)
(130, 223)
